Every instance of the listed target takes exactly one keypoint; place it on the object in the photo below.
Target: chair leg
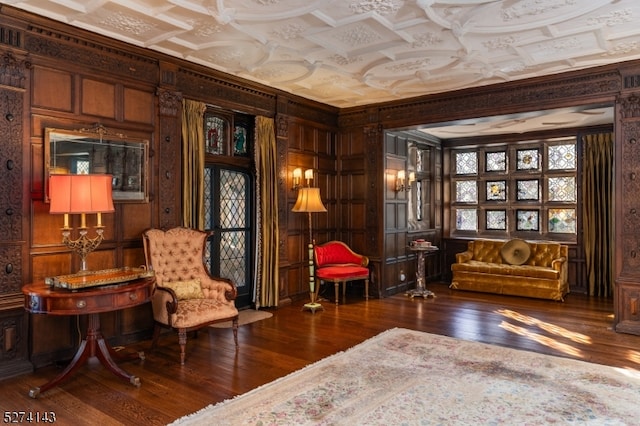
(366, 289)
(155, 336)
(337, 291)
(235, 331)
(344, 292)
(182, 341)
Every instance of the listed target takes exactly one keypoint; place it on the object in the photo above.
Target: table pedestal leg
(420, 290)
(93, 345)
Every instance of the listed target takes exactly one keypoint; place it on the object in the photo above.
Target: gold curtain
(267, 277)
(193, 164)
(597, 196)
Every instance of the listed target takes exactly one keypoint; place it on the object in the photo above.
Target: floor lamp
(309, 202)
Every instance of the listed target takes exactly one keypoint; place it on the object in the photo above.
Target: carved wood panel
(167, 192)
(11, 164)
(630, 186)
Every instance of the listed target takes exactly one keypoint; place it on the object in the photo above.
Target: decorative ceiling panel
(354, 52)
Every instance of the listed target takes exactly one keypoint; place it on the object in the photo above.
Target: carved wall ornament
(616, 17)
(11, 269)
(623, 48)
(205, 29)
(357, 36)
(170, 102)
(535, 7)
(282, 126)
(291, 31)
(13, 71)
(409, 66)
(62, 47)
(630, 106)
(341, 60)
(381, 7)
(127, 23)
(500, 43)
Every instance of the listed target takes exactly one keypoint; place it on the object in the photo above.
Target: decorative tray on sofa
(87, 279)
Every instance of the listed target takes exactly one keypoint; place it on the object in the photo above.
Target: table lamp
(81, 194)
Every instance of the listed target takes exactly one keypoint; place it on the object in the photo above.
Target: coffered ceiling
(353, 52)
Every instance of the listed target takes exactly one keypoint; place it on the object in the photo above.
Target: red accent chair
(337, 263)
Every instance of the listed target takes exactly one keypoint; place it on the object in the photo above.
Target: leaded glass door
(228, 212)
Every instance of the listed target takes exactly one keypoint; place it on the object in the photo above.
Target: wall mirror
(97, 150)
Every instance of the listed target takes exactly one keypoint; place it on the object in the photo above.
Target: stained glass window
(527, 220)
(467, 219)
(562, 221)
(466, 191)
(496, 161)
(496, 190)
(562, 157)
(528, 190)
(496, 220)
(240, 141)
(527, 159)
(528, 186)
(466, 163)
(215, 133)
(562, 188)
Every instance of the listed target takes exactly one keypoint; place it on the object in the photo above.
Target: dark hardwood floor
(579, 328)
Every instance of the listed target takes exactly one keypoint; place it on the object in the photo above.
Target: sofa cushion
(543, 254)
(516, 251)
(487, 251)
(504, 269)
(185, 290)
(194, 312)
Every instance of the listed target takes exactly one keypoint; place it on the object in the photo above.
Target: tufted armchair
(337, 263)
(186, 297)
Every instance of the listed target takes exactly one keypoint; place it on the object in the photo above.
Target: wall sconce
(308, 175)
(81, 194)
(297, 175)
(400, 176)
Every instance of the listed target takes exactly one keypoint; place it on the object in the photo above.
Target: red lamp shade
(75, 194)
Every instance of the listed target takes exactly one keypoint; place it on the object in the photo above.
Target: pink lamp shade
(89, 193)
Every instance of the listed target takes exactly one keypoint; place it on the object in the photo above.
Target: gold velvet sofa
(541, 271)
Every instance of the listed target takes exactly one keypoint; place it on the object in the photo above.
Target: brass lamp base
(312, 306)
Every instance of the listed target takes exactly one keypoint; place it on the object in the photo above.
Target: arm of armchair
(464, 257)
(222, 289)
(558, 263)
(164, 303)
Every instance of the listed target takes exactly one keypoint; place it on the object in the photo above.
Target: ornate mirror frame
(97, 150)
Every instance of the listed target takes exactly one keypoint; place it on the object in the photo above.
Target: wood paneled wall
(68, 78)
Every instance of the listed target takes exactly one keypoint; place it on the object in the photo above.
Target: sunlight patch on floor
(633, 356)
(543, 340)
(548, 327)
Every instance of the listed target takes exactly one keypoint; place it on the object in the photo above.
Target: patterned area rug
(413, 378)
(246, 316)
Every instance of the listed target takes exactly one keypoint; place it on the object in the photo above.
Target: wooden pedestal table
(43, 299)
(421, 276)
